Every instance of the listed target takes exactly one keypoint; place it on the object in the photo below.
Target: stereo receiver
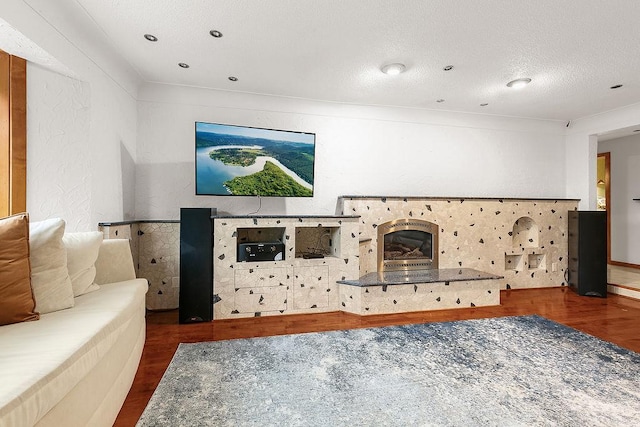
(261, 251)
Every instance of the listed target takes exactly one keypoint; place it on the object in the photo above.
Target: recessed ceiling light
(439, 100)
(484, 104)
(151, 37)
(183, 65)
(448, 68)
(393, 69)
(615, 87)
(215, 33)
(519, 83)
(233, 79)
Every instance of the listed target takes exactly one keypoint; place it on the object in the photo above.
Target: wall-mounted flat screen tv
(247, 161)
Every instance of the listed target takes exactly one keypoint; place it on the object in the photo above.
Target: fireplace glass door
(407, 245)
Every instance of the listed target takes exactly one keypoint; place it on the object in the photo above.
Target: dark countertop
(285, 216)
(137, 221)
(420, 276)
(508, 199)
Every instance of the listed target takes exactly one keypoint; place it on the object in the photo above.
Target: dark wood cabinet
(588, 252)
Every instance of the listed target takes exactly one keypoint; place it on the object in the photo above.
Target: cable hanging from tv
(259, 205)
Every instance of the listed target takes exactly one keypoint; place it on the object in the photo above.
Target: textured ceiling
(573, 50)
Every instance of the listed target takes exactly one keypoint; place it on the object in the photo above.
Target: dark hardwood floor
(615, 319)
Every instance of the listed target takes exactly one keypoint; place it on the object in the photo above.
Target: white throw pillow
(82, 252)
(50, 281)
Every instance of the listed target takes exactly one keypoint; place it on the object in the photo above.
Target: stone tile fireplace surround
(523, 240)
(515, 243)
(483, 245)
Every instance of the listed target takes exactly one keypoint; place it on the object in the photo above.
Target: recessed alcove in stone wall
(525, 233)
(513, 262)
(537, 261)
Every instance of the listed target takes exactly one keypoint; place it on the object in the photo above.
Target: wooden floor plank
(615, 319)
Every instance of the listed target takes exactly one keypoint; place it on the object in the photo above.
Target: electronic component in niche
(261, 251)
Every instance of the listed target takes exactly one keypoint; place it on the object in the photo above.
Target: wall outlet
(554, 266)
(175, 282)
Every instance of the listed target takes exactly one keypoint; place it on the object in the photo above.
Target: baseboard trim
(625, 264)
(625, 291)
(631, 288)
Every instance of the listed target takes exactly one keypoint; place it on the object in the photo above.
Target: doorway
(623, 277)
(603, 193)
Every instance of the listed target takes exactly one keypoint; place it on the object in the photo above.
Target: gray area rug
(512, 371)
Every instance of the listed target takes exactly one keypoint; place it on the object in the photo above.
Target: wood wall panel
(13, 134)
(18, 135)
(5, 165)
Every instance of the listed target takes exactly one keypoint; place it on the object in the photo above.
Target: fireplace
(407, 244)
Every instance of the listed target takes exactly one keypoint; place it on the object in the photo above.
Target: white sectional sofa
(74, 367)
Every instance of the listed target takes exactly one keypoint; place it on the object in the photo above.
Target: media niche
(247, 161)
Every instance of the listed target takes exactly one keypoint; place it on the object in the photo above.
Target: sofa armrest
(114, 263)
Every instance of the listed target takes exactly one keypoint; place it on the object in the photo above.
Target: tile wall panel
(484, 234)
(155, 247)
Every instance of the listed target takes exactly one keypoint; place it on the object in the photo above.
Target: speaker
(588, 252)
(196, 265)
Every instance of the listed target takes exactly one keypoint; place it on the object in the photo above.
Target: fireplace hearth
(407, 244)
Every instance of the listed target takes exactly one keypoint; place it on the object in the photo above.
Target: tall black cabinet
(196, 265)
(588, 252)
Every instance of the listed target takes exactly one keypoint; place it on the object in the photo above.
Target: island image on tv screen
(245, 161)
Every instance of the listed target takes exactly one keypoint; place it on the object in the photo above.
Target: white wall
(79, 136)
(625, 212)
(58, 155)
(359, 150)
(81, 127)
(582, 150)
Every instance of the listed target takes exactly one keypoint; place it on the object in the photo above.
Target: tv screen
(247, 161)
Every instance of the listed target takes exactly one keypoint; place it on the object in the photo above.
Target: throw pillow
(16, 297)
(49, 275)
(82, 252)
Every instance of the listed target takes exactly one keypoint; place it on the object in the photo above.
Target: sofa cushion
(49, 275)
(16, 297)
(42, 361)
(82, 252)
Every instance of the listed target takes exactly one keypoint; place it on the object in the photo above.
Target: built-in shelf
(264, 266)
(513, 262)
(317, 241)
(537, 261)
(260, 244)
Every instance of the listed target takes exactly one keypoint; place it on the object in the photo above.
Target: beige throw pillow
(16, 298)
(82, 252)
(49, 275)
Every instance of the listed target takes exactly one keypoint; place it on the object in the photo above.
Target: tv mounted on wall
(248, 161)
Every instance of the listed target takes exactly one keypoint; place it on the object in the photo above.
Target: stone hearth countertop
(499, 199)
(285, 216)
(420, 276)
(138, 221)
